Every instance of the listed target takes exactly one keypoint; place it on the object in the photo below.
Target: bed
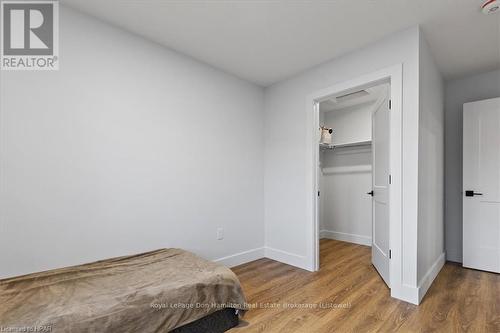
(159, 291)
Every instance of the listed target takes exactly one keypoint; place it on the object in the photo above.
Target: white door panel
(481, 185)
(380, 175)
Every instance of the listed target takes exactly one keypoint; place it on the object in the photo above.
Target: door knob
(469, 193)
(370, 193)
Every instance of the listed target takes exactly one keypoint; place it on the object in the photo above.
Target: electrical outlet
(220, 233)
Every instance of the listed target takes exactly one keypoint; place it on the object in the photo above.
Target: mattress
(156, 291)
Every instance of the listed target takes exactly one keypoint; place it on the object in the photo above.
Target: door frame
(393, 75)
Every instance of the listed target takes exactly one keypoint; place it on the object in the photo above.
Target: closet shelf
(324, 146)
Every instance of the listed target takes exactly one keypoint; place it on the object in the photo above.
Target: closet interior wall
(346, 175)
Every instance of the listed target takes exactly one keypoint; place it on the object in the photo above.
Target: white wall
(430, 170)
(128, 147)
(458, 92)
(288, 158)
(351, 124)
(346, 209)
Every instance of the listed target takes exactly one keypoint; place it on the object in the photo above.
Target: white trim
(393, 74)
(241, 257)
(405, 292)
(347, 169)
(426, 282)
(286, 257)
(415, 295)
(264, 252)
(345, 237)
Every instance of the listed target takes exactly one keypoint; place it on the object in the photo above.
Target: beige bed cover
(151, 292)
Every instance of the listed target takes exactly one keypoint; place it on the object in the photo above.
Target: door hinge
(318, 193)
(390, 254)
(390, 179)
(390, 104)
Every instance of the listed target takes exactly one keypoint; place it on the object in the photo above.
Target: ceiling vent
(354, 95)
(491, 6)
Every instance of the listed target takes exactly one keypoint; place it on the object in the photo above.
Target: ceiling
(268, 41)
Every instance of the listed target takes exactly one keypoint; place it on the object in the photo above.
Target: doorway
(353, 171)
(386, 223)
(481, 193)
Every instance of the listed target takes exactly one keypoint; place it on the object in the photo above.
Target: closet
(345, 165)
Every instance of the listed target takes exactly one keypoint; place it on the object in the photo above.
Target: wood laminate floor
(460, 300)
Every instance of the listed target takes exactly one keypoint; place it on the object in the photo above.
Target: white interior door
(481, 185)
(380, 176)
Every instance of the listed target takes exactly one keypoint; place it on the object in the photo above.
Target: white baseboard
(287, 258)
(426, 282)
(241, 257)
(264, 252)
(405, 293)
(342, 236)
